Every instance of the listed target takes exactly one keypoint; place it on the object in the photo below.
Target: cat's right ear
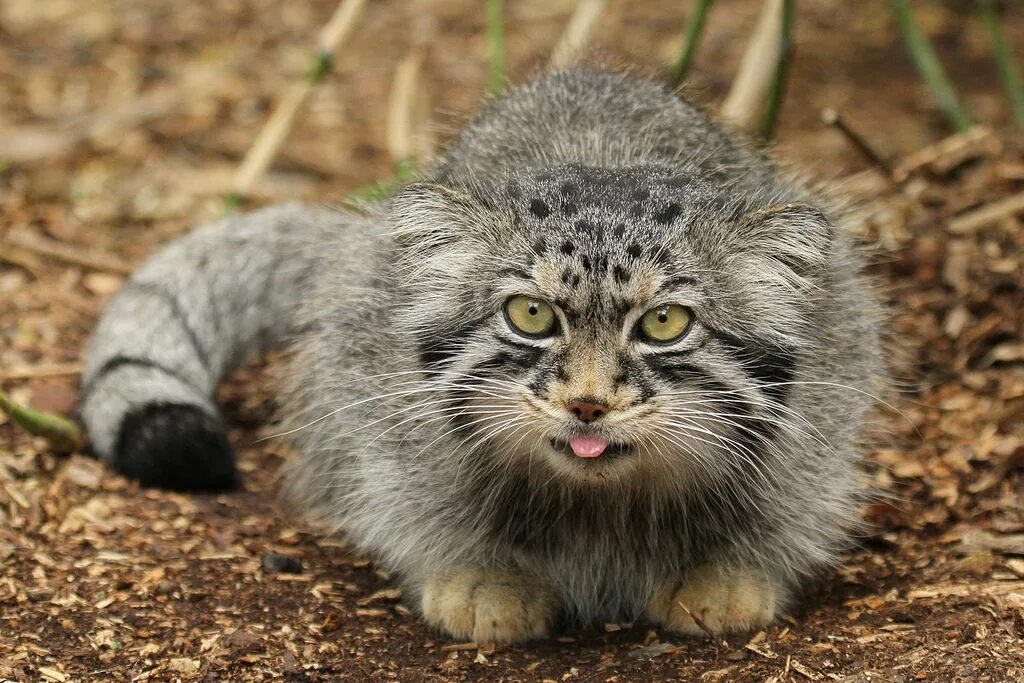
(427, 216)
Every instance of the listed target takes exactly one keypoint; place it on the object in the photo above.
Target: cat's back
(601, 119)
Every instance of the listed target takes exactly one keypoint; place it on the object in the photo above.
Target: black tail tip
(177, 447)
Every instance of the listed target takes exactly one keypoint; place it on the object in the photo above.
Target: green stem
(496, 42)
(694, 29)
(63, 434)
(781, 78)
(930, 68)
(1004, 59)
(405, 171)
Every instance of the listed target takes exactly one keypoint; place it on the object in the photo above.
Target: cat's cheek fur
(724, 600)
(489, 606)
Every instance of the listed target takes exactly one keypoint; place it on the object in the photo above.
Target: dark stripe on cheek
(768, 366)
(438, 351)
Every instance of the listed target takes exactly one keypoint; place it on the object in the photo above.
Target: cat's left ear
(430, 215)
(797, 238)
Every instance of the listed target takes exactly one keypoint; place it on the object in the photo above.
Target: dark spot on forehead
(568, 188)
(567, 276)
(619, 230)
(514, 192)
(634, 250)
(539, 208)
(668, 214)
(621, 274)
(679, 181)
(585, 262)
(540, 247)
(567, 248)
(570, 208)
(585, 226)
(641, 194)
(636, 210)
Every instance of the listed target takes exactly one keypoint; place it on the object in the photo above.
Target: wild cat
(602, 362)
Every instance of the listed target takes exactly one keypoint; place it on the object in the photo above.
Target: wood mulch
(129, 118)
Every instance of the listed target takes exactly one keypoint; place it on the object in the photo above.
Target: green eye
(664, 324)
(530, 317)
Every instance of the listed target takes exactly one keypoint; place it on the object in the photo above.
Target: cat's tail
(193, 312)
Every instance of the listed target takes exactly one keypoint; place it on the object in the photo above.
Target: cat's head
(608, 323)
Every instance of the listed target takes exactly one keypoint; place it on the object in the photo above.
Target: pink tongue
(587, 446)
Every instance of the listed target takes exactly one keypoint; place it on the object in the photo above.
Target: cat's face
(608, 324)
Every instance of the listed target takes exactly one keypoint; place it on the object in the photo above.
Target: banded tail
(193, 312)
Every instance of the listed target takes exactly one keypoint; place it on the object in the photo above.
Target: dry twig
(276, 130)
(68, 253)
(758, 69)
(577, 32)
(833, 118)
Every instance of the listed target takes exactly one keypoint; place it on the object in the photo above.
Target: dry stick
(61, 433)
(402, 108)
(1004, 59)
(40, 371)
(694, 29)
(757, 70)
(276, 130)
(496, 46)
(929, 67)
(702, 626)
(577, 32)
(777, 90)
(833, 118)
(972, 221)
(65, 252)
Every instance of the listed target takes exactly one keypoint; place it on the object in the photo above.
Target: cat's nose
(587, 411)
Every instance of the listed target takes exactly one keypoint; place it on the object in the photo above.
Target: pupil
(533, 310)
(662, 318)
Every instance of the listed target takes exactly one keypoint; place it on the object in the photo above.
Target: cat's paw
(724, 600)
(488, 606)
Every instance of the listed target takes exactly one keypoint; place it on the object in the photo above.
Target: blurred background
(125, 122)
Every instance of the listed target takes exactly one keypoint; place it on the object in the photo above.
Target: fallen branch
(833, 118)
(758, 68)
(277, 128)
(68, 253)
(577, 32)
(61, 433)
(39, 371)
(971, 221)
(702, 626)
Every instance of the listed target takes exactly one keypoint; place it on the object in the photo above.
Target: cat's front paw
(489, 606)
(724, 600)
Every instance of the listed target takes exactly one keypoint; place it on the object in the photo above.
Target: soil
(120, 125)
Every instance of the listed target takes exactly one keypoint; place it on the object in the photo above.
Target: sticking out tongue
(587, 446)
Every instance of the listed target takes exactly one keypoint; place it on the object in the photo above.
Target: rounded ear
(795, 236)
(428, 215)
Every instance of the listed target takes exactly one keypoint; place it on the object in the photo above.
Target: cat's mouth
(590, 448)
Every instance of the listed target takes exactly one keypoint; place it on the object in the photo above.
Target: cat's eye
(530, 317)
(664, 324)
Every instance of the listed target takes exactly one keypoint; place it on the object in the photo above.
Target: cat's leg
(724, 599)
(487, 606)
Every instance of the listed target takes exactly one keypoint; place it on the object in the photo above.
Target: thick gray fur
(397, 315)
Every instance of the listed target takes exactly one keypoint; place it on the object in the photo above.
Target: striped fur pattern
(433, 433)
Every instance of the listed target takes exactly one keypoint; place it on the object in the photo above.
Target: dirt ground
(121, 122)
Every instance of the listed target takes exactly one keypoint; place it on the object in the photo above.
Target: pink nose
(587, 411)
